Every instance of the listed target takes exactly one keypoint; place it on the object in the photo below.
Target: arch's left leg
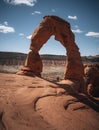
(33, 64)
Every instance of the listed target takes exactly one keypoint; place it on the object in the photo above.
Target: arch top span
(54, 25)
(51, 25)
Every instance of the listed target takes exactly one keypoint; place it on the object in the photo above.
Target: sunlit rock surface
(32, 103)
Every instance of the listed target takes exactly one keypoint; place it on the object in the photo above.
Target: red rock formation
(92, 79)
(53, 25)
(33, 65)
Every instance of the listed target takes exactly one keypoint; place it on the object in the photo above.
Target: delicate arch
(53, 25)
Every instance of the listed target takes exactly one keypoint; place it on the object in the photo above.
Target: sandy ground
(50, 72)
(32, 103)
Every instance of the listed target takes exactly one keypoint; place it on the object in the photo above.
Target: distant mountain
(93, 59)
(53, 57)
(12, 55)
(14, 58)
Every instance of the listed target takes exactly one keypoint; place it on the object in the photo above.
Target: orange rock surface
(53, 25)
(32, 103)
(92, 79)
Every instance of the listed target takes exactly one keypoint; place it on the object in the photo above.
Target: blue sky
(19, 18)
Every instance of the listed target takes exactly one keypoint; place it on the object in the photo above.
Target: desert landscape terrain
(32, 103)
(47, 103)
(53, 65)
(54, 86)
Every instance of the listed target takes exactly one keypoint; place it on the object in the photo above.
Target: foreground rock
(31, 103)
(92, 79)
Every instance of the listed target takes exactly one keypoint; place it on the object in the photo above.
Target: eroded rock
(53, 25)
(92, 79)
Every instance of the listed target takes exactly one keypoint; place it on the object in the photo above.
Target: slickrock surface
(32, 103)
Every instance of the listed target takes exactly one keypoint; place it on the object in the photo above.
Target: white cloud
(72, 17)
(25, 2)
(21, 34)
(6, 29)
(29, 37)
(77, 31)
(92, 34)
(36, 12)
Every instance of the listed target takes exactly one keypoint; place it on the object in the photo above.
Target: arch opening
(53, 25)
(52, 47)
(53, 59)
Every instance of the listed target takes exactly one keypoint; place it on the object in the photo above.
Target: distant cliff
(13, 58)
(91, 59)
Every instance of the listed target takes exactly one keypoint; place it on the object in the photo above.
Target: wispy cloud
(5, 23)
(53, 10)
(21, 34)
(25, 2)
(36, 12)
(77, 31)
(29, 37)
(4, 28)
(72, 17)
(92, 34)
(76, 26)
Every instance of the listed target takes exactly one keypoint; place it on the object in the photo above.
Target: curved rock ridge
(54, 25)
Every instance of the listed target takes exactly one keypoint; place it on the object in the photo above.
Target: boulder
(92, 79)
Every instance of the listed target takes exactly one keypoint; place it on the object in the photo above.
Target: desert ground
(50, 72)
(33, 103)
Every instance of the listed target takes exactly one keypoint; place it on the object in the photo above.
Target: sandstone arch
(53, 25)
